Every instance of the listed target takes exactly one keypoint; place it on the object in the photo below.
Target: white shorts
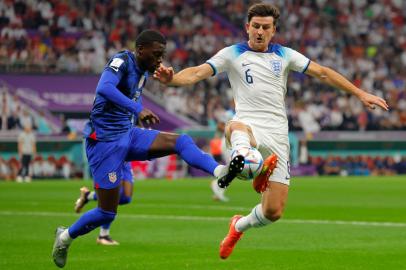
(269, 143)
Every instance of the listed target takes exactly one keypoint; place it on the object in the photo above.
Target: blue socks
(124, 199)
(89, 221)
(187, 149)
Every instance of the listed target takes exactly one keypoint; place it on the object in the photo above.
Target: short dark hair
(263, 10)
(147, 37)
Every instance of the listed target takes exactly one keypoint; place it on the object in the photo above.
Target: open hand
(370, 101)
(164, 74)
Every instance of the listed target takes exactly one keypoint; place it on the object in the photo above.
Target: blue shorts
(127, 173)
(107, 160)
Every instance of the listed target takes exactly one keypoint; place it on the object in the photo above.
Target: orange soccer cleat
(231, 239)
(260, 182)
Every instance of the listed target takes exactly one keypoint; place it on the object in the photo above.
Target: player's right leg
(268, 211)
(147, 144)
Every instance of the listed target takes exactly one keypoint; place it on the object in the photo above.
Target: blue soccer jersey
(118, 98)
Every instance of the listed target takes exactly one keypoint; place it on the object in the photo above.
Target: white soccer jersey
(258, 80)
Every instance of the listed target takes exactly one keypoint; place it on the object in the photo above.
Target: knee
(106, 216)
(182, 141)
(274, 213)
(125, 199)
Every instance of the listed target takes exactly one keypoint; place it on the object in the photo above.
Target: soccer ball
(253, 163)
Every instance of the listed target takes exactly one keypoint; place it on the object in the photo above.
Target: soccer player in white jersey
(258, 71)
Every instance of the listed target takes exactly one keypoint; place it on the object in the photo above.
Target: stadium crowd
(364, 40)
(359, 165)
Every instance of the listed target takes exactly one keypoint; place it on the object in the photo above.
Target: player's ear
(247, 26)
(140, 50)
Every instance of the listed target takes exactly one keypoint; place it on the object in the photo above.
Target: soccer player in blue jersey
(111, 139)
(258, 71)
(126, 193)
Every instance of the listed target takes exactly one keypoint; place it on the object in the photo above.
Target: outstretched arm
(333, 78)
(186, 76)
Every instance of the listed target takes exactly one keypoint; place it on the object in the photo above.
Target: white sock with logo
(254, 219)
(104, 232)
(239, 139)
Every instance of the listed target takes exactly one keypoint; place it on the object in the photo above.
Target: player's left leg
(268, 211)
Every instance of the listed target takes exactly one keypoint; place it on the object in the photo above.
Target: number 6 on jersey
(248, 77)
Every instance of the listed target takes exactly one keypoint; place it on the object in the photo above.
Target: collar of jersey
(272, 48)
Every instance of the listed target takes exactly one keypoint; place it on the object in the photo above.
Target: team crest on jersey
(113, 177)
(276, 67)
(116, 63)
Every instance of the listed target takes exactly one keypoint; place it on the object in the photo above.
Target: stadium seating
(362, 40)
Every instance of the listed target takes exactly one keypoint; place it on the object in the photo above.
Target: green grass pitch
(329, 223)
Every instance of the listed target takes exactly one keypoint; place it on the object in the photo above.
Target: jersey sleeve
(220, 61)
(117, 65)
(107, 88)
(297, 61)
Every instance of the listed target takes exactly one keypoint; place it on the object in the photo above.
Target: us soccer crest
(276, 67)
(113, 177)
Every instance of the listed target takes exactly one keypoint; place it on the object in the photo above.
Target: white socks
(65, 237)
(90, 196)
(254, 219)
(220, 170)
(104, 232)
(240, 139)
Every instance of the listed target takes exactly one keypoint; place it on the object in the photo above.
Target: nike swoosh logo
(246, 64)
(287, 177)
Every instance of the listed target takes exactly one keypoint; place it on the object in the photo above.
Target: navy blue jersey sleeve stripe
(213, 67)
(107, 88)
(304, 70)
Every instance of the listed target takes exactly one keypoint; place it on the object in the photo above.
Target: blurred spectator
(303, 153)
(65, 127)
(26, 119)
(332, 166)
(64, 167)
(26, 150)
(49, 167)
(5, 172)
(13, 120)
